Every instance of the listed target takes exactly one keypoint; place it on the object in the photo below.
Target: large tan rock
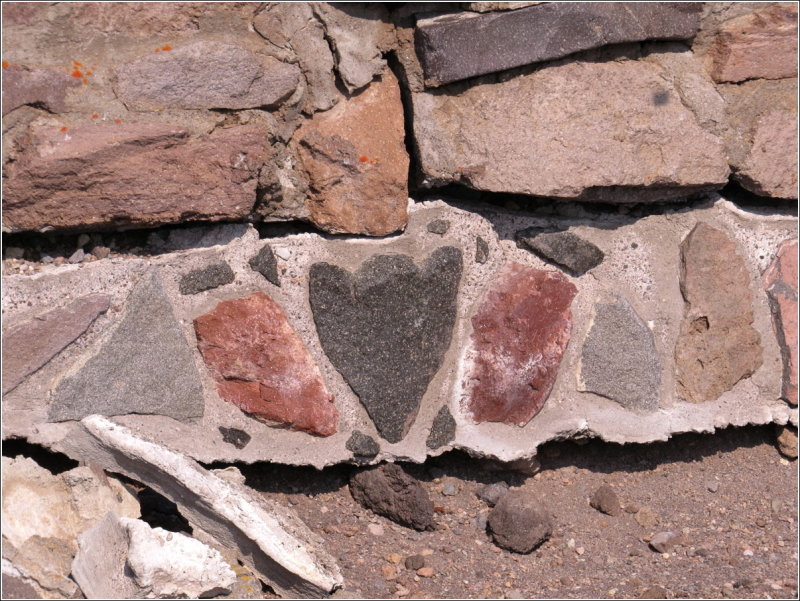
(760, 44)
(205, 74)
(143, 174)
(613, 131)
(356, 162)
(717, 345)
(761, 135)
(37, 503)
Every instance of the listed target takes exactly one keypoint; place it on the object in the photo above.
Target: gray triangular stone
(144, 367)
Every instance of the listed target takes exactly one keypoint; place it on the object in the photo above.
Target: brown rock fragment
(787, 441)
(389, 491)
(780, 282)
(762, 44)
(520, 333)
(262, 366)
(30, 345)
(101, 176)
(520, 522)
(357, 163)
(44, 88)
(771, 167)
(605, 500)
(717, 345)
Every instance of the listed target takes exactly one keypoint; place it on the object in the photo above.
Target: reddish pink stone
(262, 366)
(780, 282)
(519, 336)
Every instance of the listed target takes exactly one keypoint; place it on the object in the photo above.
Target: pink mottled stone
(262, 366)
(519, 336)
(780, 282)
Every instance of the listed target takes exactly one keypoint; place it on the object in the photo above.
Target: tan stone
(35, 502)
(771, 167)
(612, 131)
(357, 164)
(787, 441)
(717, 345)
(761, 44)
(144, 174)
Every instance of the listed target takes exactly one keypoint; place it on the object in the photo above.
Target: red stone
(780, 282)
(98, 176)
(519, 336)
(262, 366)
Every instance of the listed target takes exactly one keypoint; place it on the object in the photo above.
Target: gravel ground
(731, 497)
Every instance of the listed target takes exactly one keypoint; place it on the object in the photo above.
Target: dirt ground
(731, 497)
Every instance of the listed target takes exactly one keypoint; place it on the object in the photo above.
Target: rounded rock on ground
(520, 522)
(389, 491)
(787, 441)
(415, 562)
(647, 517)
(663, 541)
(606, 501)
(491, 493)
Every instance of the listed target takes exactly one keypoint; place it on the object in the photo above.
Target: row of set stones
(387, 326)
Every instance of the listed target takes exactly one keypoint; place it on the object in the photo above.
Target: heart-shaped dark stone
(386, 328)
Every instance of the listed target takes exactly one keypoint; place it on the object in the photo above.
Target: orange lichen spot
(375, 161)
(157, 50)
(117, 121)
(6, 64)
(77, 64)
(76, 74)
(363, 159)
(88, 73)
(95, 116)
(63, 129)
(166, 48)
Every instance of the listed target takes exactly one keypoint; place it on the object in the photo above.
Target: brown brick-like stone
(519, 336)
(457, 46)
(30, 345)
(357, 163)
(145, 174)
(780, 282)
(759, 45)
(44, 88)
(262, 366)
(717, 345)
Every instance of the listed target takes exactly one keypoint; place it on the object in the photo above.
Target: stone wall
(315, 233)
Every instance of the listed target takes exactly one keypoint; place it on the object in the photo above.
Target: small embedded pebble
(712, 486)
(647, 517)
(654, 592)
(101, 252)
(439, 226)
(394, 558)
(415, 562)
(449, 490)
(491, 493)
(282, 253)
(480, 521)
(426, 572)
(389, 572)
(46, 259)
(77, 256)
(375, 529)
(663, 541)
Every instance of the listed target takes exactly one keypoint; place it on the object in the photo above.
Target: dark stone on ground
(439, 226)
(443, 429)
(519, 522)
(457, 46)
(389, 491)
(206, 278)
(362, 445)
(145, 367)
(266, 264)
(491, 493)
(235, 436)
(386, 329)
(565, 249)
(605, 499)
(619, 359)
(481, 250)
(415, 562)
(30, 345)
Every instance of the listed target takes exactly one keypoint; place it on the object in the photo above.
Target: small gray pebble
(712, 486)
(77, 256)
(415, 562)
(491, 493)
(449, 490)
(46, 259)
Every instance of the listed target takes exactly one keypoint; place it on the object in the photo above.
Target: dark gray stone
(389, 491)
(443, 429)
(144, 367)
(266, 264)
(619, 359)
(519, 522)
(206, 278)
(414, 562)
(457, 46)
(439, 226)
(386, 329)
(491, 493)
(362, 445)
(570, 252)
(235, 436)
(481, 250)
